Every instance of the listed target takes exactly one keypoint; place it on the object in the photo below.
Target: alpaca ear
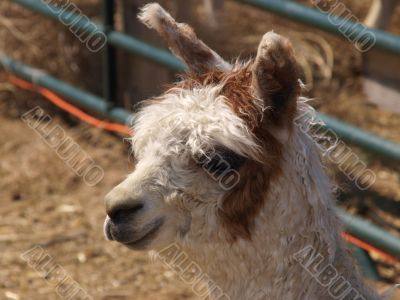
(275, 78)
(182, 40)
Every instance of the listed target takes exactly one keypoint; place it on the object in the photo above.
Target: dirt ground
(43, 202)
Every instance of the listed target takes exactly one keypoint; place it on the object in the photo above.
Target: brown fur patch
(181, 40)
(184, 43)
(236, 89)
(242, 204)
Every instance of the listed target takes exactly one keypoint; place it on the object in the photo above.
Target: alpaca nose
(119, 206)
(123, 211)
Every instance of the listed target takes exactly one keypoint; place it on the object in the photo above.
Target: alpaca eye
(221, 161)
(235, 160)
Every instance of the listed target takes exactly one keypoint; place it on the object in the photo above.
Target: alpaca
(224, 172)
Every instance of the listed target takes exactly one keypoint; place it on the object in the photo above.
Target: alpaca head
(208, 148)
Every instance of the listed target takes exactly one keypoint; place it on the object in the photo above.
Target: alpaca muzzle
(126, 234)
(123, 224)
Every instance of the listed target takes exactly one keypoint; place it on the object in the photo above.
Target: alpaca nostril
(124, 211)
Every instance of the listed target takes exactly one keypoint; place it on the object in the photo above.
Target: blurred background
(44, 202)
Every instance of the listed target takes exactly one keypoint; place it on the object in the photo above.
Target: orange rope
(64, 105)
(369, 248)
(126, 130)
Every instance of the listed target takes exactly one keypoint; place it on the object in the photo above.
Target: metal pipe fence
(347, 132)
(327, 22)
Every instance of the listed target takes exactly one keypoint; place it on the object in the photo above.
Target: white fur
(194, 118)
(151, 14)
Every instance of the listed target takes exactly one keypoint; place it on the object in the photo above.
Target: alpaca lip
(107, 229)
(142, 242)
(139, 243)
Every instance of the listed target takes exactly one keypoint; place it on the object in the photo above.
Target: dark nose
(124, 211)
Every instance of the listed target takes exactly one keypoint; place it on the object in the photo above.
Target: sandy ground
(42, 202)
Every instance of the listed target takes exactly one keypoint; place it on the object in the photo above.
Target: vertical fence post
(109, 56)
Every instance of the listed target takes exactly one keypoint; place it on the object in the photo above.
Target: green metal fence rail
(76, 96)
(370, 233)
(101, 105)
(329, 23)
(114, 38)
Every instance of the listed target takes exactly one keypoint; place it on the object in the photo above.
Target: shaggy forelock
(198, 118)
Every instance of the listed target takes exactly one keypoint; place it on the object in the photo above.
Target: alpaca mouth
(138, 243)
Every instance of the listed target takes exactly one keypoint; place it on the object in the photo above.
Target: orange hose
(116, 127)
(64, 105)
(369, 248)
